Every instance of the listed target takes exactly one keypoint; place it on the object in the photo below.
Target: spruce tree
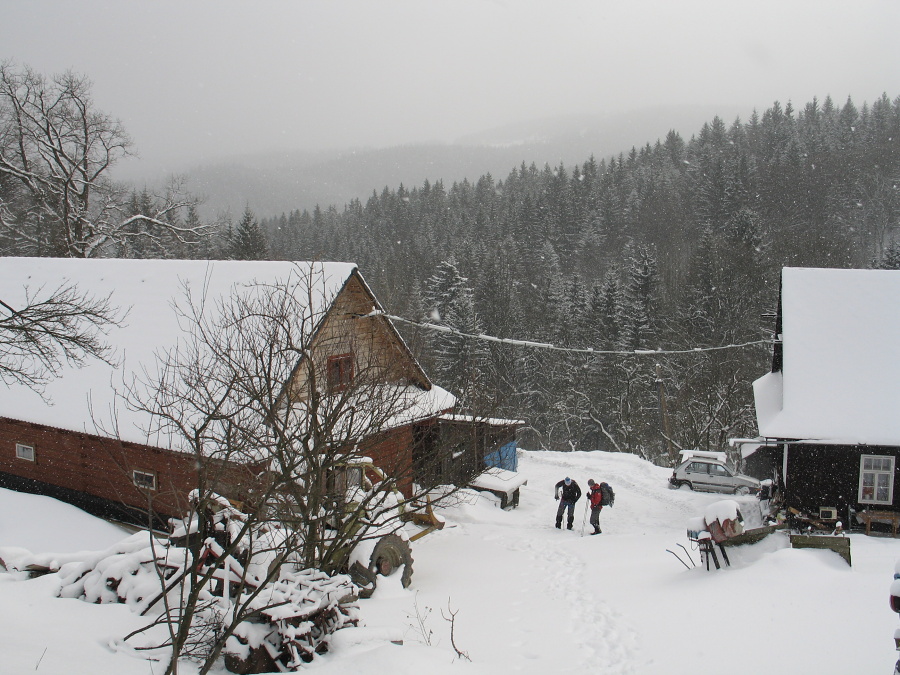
(248, 241)
(890, 260)
(641, 297)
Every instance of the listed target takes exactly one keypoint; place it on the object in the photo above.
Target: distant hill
(275, 183)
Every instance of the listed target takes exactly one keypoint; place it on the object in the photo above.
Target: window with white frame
(876, 479)
(144, 479)
(25, 452)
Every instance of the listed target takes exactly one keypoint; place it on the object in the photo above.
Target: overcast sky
(196, 80)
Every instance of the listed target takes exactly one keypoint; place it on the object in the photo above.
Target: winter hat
(590, 481)
(568, 480)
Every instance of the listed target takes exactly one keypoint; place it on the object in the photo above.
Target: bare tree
(50, 330)
(282, 427)
(56, 150)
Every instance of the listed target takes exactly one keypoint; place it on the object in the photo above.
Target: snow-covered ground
(528, 598)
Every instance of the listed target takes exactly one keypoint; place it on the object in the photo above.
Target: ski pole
(584, 517)
(679, 559)
(688, 555)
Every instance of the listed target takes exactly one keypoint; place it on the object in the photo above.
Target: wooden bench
(868, 517)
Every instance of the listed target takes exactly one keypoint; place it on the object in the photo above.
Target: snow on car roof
(703, 454)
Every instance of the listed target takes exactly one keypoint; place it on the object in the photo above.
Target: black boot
(559, 526)
(597, 530)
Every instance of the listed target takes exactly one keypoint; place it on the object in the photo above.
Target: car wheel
(742, 490)
(687, 484)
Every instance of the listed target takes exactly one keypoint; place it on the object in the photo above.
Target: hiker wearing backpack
(599, 495)
(571, 492)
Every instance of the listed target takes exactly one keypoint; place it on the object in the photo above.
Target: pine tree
(442, 289)
(606, 312)
(461, 361)
(890, 260)
(640, 297)
(248, 241)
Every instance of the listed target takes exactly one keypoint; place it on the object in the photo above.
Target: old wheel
(391, 553)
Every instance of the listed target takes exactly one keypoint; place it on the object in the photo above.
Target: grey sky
(193, 81)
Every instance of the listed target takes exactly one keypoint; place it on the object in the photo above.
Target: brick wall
(98, 466)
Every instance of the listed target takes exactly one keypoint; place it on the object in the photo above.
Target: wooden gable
(354, 340)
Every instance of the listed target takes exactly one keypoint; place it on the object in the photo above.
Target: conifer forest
(674, 246)
(663, 256)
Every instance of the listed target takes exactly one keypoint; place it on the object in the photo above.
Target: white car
(712, 475)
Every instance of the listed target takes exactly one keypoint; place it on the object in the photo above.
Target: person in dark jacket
(595, 497)
(570, 494)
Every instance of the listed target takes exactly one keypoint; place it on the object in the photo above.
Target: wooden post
(664, 414)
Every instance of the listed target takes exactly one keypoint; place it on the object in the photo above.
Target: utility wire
(570, 350)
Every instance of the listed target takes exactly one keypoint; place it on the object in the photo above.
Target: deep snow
(529, 598)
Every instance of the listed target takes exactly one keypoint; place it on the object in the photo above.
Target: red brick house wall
(97, 466)
(95, 472)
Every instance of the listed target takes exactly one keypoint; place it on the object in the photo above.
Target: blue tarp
(505, 457)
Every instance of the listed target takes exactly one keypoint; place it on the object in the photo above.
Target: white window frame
(144, 486)
(877, 468)
(25, 452)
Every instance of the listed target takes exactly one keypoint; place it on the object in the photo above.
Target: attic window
(876, 479)
(144, 479)
(25, 452)
(340, 371)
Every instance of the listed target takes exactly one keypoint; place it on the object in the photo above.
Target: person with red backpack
(595, 499)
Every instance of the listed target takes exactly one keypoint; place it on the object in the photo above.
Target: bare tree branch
(51, 330)
(55, 151)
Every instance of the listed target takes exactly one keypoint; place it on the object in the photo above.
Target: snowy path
(601, 637)
(566, 559)
(616, 602)
(525, 564)
(531, 599)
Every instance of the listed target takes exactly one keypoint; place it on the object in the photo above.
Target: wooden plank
(754, 535)
(840, 545)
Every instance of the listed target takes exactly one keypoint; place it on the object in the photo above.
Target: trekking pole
(584, 517)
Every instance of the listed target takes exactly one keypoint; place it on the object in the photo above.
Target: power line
(570, 350)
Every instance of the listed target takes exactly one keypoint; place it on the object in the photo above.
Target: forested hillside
(675, 245)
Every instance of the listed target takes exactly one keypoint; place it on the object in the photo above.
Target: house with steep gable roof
(828, 412)
(78, 440)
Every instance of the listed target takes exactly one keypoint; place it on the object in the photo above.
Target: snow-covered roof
(840, 380)
(378, 407)
(492, 421)
(147, 289)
